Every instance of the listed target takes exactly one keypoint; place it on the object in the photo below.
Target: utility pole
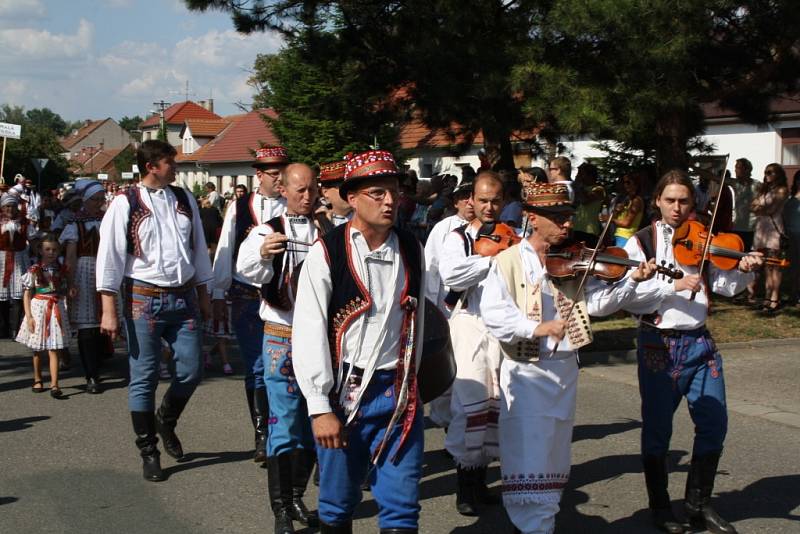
(162, 127)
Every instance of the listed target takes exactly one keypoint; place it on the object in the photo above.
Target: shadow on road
(12, 425)
(581, 432)
(770, 497)
(8, 500)
(195, 460)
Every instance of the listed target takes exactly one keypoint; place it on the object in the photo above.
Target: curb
(617, 357)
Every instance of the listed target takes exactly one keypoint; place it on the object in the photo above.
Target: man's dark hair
(152, 152)
(210, 185)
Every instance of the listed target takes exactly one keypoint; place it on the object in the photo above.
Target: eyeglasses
(379, 193)
(274, 173)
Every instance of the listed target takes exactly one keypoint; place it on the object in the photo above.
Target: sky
(92, 59)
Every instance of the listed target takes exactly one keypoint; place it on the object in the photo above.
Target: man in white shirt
(241, 217)
(435, 290)
(472, 433)
(356, 337)
(678, 358)
(269, 257)
(540, 324)
(152, 248)
(338, 211)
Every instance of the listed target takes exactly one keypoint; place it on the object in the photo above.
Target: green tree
(48, 119)
(37, 141)
(131, 124)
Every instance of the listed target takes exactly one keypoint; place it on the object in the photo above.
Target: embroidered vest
(88, 240)
(47, 282)
(19, 241)
(528, 298)
(139, 212)
(245, 221)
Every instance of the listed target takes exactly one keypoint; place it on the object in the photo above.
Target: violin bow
(592, 259)
(707, 245)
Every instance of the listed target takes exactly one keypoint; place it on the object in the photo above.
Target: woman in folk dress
(14, 261)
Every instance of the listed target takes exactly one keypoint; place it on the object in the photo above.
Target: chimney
(208, 104)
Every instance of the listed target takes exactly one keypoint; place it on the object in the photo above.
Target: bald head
(296, 170)
(299, 188)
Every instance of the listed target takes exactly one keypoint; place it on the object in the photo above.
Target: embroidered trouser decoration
(689, 365)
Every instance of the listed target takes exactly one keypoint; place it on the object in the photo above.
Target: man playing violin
(678, 358)
(540, 324)
(472, 432)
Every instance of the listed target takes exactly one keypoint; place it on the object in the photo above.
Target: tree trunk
(498, 149)
(671, 141)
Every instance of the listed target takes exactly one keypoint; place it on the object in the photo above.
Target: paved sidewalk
(70, 466)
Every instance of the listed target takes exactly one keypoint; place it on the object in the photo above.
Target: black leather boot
(87, 348)
(484, 495)
(344, 528)
(399, 531)
(466, 495)
(144, 426)
(279, 484)
(302, 465)
(166, 420)
(260, 423)
(657, 480)
(699, 486)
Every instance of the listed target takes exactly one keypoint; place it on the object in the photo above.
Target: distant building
(96, 135)
(222, 151)
(175, 118)
(110, 161)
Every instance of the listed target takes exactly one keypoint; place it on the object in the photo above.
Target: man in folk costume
(530, 316)
(269, 256)
(82, 238)
(356, 337)
(678, 358)
(152, 250)
(472, 434)
(241, 217)
(338, 212)
(15, 232)
(435, 289)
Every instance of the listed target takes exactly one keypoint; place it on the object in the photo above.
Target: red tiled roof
(416, 135)
(94, 160)
(238, 141)
(779, 106)
(204, 127)
(179, 113)
(75, 137)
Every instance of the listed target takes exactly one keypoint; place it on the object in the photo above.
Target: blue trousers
(249, 330)
(395, 486)
(289, 424)
(175, 318)
(671, 367)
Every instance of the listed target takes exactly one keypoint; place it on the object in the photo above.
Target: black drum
(437, 368)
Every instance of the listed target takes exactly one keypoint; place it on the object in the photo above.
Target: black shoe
(344, 528)
(93, 387)
(144, 426)
(482, 492)
(699, 487)
(657, 478)
(56, 392)
(466, 496)
(260, 423)
(166, 420)
(302, 463)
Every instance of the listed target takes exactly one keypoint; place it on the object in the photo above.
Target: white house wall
(226, 176)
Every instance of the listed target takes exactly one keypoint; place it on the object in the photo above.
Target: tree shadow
(195, 460)
(12, 425)
(581, 432)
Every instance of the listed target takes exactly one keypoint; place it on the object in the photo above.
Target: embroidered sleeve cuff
(107, 290)
(526, 328)
(318, 404)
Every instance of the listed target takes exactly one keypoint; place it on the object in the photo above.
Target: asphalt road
(70, 466)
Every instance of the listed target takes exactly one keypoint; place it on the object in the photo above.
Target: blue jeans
(249, 330)
(395, 486)
(687, 365)
(174, 317)
(289, 425)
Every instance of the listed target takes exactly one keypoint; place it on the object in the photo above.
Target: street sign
(135, 169)
(13, 131)
(102, 176)
(39, 164)
(127, 176)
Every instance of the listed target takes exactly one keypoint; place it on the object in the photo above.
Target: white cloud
(215, 48)
(33, 45)
(13, 90)
(21, 9)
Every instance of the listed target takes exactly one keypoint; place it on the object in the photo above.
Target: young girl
(46, 324)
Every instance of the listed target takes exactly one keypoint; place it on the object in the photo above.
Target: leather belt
(156, 291)
(242, 291)
(277, 330)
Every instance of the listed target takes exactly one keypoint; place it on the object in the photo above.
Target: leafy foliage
(39, 140)
(131, 124)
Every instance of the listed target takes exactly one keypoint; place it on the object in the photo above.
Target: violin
(609, 265)
(724, 251)
(494, 238)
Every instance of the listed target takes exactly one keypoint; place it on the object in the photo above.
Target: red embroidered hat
(546, 197)
(365, 166)
(271, 155)
(332, 174)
